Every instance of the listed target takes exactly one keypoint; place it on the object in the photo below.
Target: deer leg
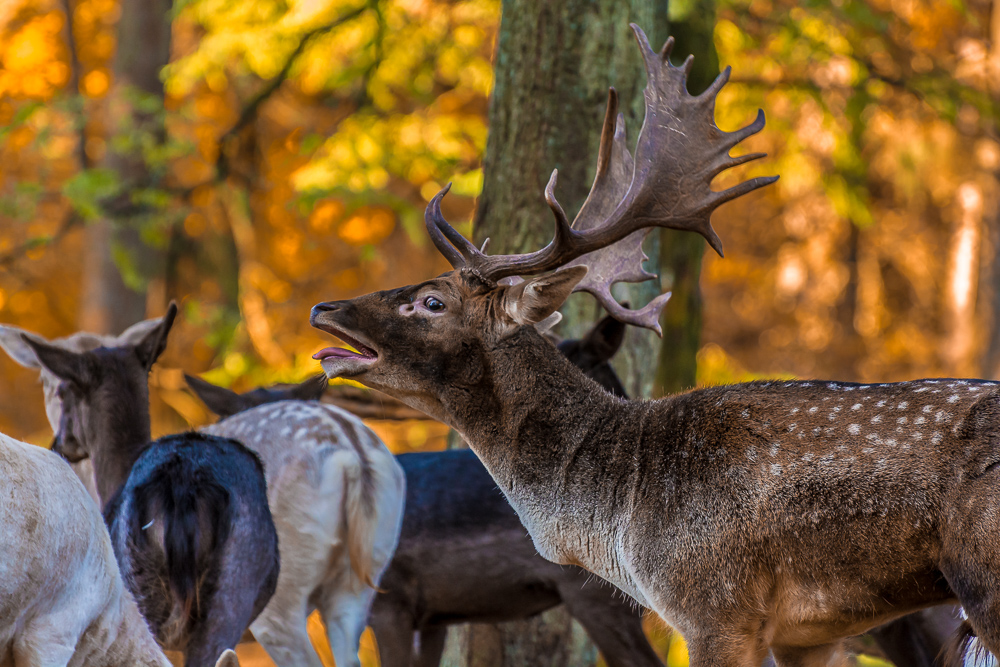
(45, 648)
(283, 631)
(393, 626)
(431, 646)
(828, 655)
(344, 614)
(613, 622)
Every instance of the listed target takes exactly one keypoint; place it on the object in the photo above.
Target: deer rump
(192, 503)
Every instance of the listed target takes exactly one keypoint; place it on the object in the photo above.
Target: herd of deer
(764, 518)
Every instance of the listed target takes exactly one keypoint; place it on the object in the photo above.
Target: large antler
(680, 150)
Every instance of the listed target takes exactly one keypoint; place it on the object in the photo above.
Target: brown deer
(786, 515)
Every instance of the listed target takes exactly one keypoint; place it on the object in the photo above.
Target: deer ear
(228, 659)
(12, 341)
(310, 390)
(135, 333)
(73, 367)
(533, 300)
(605, 338)
(219, 400)
(153, 342)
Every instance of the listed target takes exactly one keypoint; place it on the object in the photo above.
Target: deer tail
(195, 519)
(360, 515)
(963, 641)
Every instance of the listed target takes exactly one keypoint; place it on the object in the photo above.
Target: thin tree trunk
(555, 61)
(681, 252)
(109, 305)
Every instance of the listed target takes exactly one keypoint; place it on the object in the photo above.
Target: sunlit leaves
(87, 188)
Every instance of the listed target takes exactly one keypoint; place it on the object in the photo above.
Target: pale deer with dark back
(782, 515)
(187, 514)
(463, 555)
(62, 600)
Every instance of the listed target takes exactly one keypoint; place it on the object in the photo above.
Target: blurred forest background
(250, 158)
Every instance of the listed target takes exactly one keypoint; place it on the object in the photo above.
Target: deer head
(12, 340)
(225, 402)
(592, 353)
(425, 342)
(103, 397)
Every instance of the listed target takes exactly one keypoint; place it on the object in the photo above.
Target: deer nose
(325, 307)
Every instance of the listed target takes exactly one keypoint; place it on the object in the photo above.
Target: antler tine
(668, 184)
(564, 235)
(449, 242)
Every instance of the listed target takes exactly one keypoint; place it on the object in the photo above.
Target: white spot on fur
(817, 431)
(745, 414)
(936, 437)
(918, 435)
(808, 457)
(867, 450)
(891, 442)
(775, 469)
(794, 410)
(942, 416)
(854, 429)
(833, 385)
(876, 419)
(880, 404)
(928, 408)
(791, 427)
(856, 406)
(813, 409)
(953, 398)
(919, 420)
(901, 420)
(774, 449)
(902, 406)
(920, 389)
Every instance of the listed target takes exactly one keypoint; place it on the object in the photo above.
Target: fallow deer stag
(786, 515)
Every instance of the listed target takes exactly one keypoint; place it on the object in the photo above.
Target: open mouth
(364, 353)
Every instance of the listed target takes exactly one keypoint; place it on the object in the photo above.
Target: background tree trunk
(109, 304)
(554, 64)
(681, 252)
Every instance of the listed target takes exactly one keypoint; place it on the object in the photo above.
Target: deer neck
(540, 425)
(121, 435)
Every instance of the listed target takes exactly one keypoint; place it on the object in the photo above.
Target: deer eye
(433, 304)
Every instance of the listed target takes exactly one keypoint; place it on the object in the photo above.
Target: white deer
(62, 599)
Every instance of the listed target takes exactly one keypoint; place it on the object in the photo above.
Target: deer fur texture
(187, 514)
(83, 616)
(336, 494)
(786, 515)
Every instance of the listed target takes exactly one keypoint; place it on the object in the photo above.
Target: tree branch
(249, 112)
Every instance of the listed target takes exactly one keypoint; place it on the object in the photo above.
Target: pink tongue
(328, 352)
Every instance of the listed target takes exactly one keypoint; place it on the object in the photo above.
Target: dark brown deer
(786, 515)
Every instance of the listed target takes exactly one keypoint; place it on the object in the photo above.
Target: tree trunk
(555, 61)
(109, 304)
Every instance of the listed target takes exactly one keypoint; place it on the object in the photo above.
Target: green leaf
(86, 189)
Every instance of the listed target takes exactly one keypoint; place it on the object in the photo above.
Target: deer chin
(341, 362)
